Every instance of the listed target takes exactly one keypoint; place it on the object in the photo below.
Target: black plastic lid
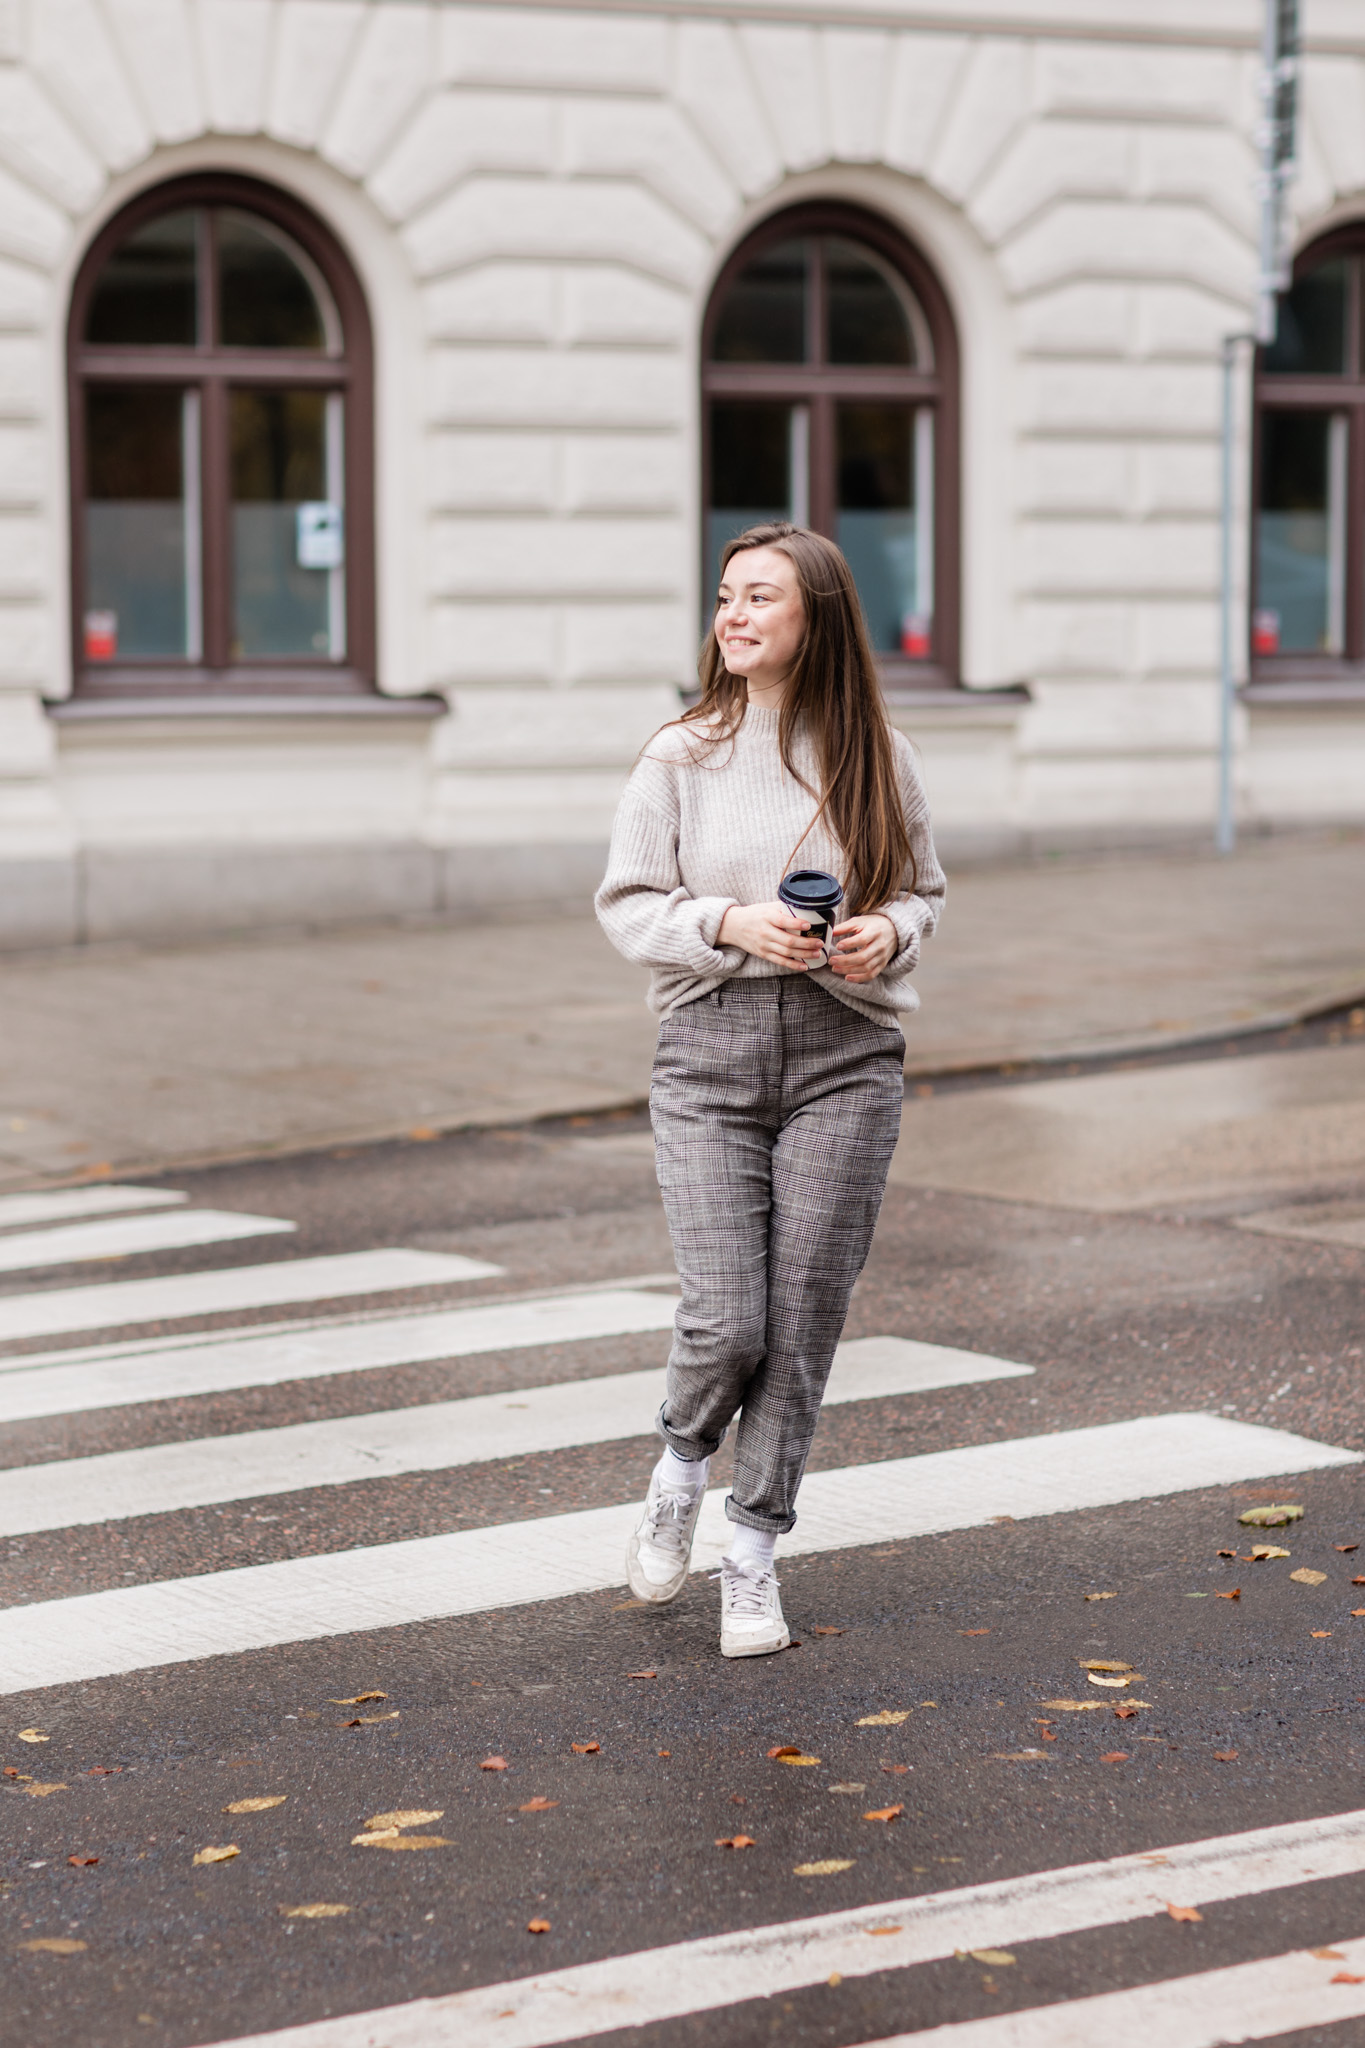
(811, 890)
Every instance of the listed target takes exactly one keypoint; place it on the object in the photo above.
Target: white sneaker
(659, 1553)
(751, 1623)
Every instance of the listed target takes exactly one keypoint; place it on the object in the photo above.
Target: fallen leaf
(1116, 1756)
(1346, 1548)
(53, 1945)
(1227, 1553)
(34, 1735)
(828, 1867)
(537, 1927)
(895, 1770)
(1356, 1613)
(846, 1788)
(889, 1717)
(498, 1763)
(389, 1838)
(885, 1813)
(585, 1748)
(1327, 1955)
(826, 1631)
(1225, 1756)
(1319, 1633)
(1305, 1577)
(734, 1841)
(1101, 1596)
(421, 1134)
(36, 1791)
(882, 1930)
(797, 1760)
(973, 1631)
(1087, 1706)
(82, 1862)
(1017, 1756)
(318, 1912)
(1235, 1594)
(785, 1749)
(537, 1805)
(256, 1805)
(1261, 1552)
(1101, 1664)
(406, 1817)
(834, 1980)
(1183, 1912)
(360, 1699)
(1101, 1678)
(642, 1674)
(994, 1958)
(223, 1855)
(1123, 1713)
(1270, 1518)
(1345, 1977)
(665, 1752)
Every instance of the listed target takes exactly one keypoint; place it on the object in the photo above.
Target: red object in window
(101, 636)
(1265, 632)
(915, 635)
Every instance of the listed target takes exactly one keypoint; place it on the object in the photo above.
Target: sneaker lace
(667, 1517)
(747, 1589)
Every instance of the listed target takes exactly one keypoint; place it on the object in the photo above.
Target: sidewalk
(123, 1059)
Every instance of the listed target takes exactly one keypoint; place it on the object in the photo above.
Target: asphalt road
(1252, 1716)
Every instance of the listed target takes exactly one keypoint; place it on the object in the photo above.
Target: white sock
(672, 1470)
(751, 1546)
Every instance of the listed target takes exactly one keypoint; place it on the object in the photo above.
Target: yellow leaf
(1306, 1577)
(1328, 1955)
(1101, 1664)
(368, 1841)
(800, 1762)
(1099, 1596)
(33, 1735)
(406, 1817)
(828, 1868)
(371, 1720)
(360, 1699)
(53, 1945)
(1087, 1706)
(223, 1855)
(886, 1719)
(43, 1791)
(1270, 1518)
(1099, 1678)
(256, 1805)
(994, 1958)
(318, 1912)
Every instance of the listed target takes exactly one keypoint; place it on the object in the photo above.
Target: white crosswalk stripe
(727, 1969)
(123, 1237)
(517, 1423)
(113, 1304)
(60, 1205)
(222, 1613)
(176, 1621)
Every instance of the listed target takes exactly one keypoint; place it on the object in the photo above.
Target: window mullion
(216, 523)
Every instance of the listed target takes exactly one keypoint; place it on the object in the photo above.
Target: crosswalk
(180, 1337)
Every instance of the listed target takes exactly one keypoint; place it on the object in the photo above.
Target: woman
(778, 1078)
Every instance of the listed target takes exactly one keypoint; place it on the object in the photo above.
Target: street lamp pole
(1276, 142)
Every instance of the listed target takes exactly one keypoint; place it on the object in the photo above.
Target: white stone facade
(537, 200)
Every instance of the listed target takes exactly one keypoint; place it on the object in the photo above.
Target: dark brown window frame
(819, 385)
(213, 370)
(1289, 676)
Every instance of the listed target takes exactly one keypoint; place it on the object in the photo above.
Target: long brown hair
(835, 695)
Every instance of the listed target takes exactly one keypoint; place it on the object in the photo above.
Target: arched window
(830, 385)
(221, 455)
(1308, 608)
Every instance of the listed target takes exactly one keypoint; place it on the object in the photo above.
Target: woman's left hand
(865, 945)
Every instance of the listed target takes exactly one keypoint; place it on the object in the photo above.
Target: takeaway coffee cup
(815, 897)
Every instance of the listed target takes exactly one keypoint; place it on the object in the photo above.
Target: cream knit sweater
(694, 836)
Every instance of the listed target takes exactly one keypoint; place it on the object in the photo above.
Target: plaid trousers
(776, 1109)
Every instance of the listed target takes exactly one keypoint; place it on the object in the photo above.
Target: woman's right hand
(771, 932)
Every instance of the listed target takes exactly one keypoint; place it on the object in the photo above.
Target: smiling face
(760, 619)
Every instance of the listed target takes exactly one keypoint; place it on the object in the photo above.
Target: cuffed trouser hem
(690, 1448)
(748, 1518)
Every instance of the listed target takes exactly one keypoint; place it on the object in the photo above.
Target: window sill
(1306, 689)
(108, 710)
